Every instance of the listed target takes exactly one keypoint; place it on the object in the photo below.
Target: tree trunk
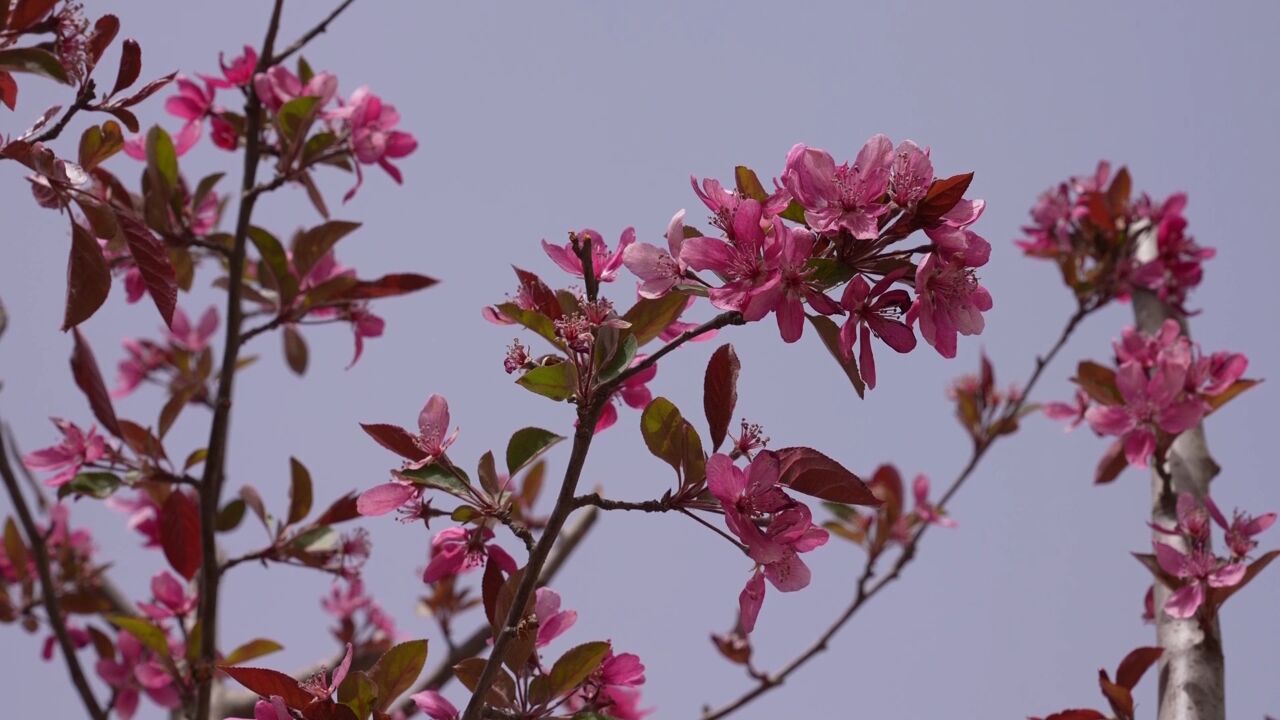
(1192, 683)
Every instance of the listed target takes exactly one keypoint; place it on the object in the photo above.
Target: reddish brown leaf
(1077, 715)
(1120, 699)
(1220, 595)
(180, 533)
(130, 65)
(88, 278)
(942, 196)
(1118, 193)
(8, 90)
(29, 12)
(342, 510)
(147, 91)
(720, 392)
(388, 286)
(808, 471)
(266, 683)
(84, 368)
(829, 333)
(153, 263)
(1099, 382)
(1135, 665)
(328, 710)
(295, 350)
(394, 438)
(544, 300)
(104, 31)
(1111, 464)
(1226, 396)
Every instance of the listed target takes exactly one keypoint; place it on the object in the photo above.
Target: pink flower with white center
(193, 339)
(278, 85)
(1072, 413)
(1198, 570)
(239, 72)
(659, 270)
(143, 516)
(1150, 403)
(374, 139)
(634, 391)
(434, 705)
(848, 197)
(604, 264)
(910, 175)
(142, 357)
(875, 309)
(949, 300)
(928, 513)
(746, 263)
(137, 671)
(77, 449)
(172, 599)
(1241, 529)
(552, 621)
(796, 246)
(322, 685)
(457, 550)
(272, 708)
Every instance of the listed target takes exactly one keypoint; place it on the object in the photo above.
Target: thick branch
(865, 588)
(48, 591)
(215, 463)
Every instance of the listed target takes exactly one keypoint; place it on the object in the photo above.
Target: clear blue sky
(535, 119)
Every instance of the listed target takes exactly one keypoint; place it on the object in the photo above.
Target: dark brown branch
(865, 588)
(83, 98)
(47, 589)
(215, 462)
(309, 36)
(722, 320)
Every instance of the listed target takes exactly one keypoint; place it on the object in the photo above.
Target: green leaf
(649, 317)
(296, 114)
(575, 666)
(397, 671)
(526, 445)
(91, 484)
(316, 242)
(794, 213)
(662, 427)
(299, 491)
(359, 693)
(749, 183)
(439, 478)
(487, 472)
(251, 650)
(162, 159)
(620, 359)
(830, 335)
(277, 262)
(829, 272)
(558, 381)
(151, 637)
(230, 515)
(36, 61)
(533, 320)
(316, 539)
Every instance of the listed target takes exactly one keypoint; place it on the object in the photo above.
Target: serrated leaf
(397, 671)
(575, 666)
(84, 369)
(180, 533)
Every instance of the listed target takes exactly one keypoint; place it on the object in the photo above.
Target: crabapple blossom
(135, 672)
(1150, 403)
(875, 309)
(949, 300)
(604, 264)
(456, 550)
(842, 197)
(659, 270)
(746, 263)
(77, 449)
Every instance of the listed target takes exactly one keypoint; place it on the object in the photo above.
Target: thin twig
(215, 462)
(83, 98)
(309, 36)
(47, 589)
(865, 589)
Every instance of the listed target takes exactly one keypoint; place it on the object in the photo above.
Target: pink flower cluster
(1163, 386)
(1197, 568)
(774, 527)
(172, 361)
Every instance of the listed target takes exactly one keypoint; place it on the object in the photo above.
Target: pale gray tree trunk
(1191, 679)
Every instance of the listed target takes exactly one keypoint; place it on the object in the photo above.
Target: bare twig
(83, 98)
(865, 588)
(310, 35)
(47, 589)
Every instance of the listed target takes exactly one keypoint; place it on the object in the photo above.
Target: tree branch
(215, 462)
(309, 36)
(865, 588)
(47, 590)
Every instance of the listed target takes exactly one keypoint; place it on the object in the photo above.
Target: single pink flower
(949, 300)
(142, 358)
(433, 437)
(193, 339)
(272, 708)
(925, 510)
(78, 635)
(1198, 570)
(77, 449)
(374, 139)
(1214, 374)
(382, 499)
(835, 197)
(750, 600)
(278, 85)
(634, 391)
(434, 705)
(953, 238)
(659, 270)
(910, 175)
(192, 103)
(875, 309)
(143, 516)
(1166, 343)
(746, 263)
(604, 264)
(322, 685)
(364, 324)
(1149, 404)
(172, 599)
(223, 133)
(1072, 412)
(724, 203)
(795, 247)
(136, 671)
(238, 72)
(552, 621)
(457, 550)
(1241, 529)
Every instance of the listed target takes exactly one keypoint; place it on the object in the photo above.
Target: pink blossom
(1147, 350)
(750, 600)
(238, 72)
(223, 133)
(344, 600)
(1214, 374)
(928, 513)
(849, 197)
(143, 515)
(1176, 269)
(634, 391)
(875, 309)
(617, 681)
(1149, 404)
(137, 671)
(321, 685)
(659, 270)
(272, 708)
(433, 437)
(604, 264)
(949, 300)
(1073, 412)
(552, 621)
(434, 705)
(76, 450)
(457, 550)
(953, 238)
(192, 104)
(1241, 529)
(796, 245)
(910, 175)
(193, 339)
(724, 203)
(374, 139)
(78, 635)
(172, 599)
(278, 85)
(1198, 570)
(203, 218)
(364, 324)
(746, 263)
